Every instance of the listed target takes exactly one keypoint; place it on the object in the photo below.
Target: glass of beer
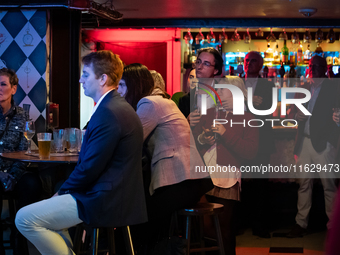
(44, 144)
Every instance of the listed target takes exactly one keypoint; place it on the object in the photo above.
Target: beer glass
(44, 144)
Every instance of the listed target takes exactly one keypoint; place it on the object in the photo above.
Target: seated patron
(105, 188)
(24, 186)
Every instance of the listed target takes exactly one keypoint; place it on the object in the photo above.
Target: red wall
(152, 55)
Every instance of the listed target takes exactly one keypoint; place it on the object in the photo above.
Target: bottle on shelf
(193, 57)
(186, 55)
(189, 56)
(276, 56)
(307, 56)
(268, 55)
(299, 54)
(285, 53)
(292, 54)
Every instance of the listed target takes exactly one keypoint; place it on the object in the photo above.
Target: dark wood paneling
(64, 89)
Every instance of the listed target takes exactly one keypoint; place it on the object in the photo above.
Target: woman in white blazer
(170, 145)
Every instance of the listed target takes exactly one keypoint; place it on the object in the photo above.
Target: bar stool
(9, 222)
(78, 246)
(201, 210)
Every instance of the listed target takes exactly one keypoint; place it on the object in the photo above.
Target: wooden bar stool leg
(128, 241)
(95, 241)
(219, 235)
(188, 233)
(201, 219)
(111, 237)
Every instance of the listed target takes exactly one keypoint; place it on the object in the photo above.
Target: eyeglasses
(198, 62)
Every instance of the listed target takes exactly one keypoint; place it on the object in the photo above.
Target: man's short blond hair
(105, 62)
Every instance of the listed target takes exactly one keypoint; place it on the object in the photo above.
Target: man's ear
(215, 71)
(103, 79)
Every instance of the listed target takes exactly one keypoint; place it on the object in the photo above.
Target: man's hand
(194, 118)
(218, 129)
(336, 116)
(257, 100)
(300, 116)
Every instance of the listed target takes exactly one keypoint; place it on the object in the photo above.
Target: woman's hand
(8, 182)
(227, 104)
(218, 129)
(194, 118)
(206, 137)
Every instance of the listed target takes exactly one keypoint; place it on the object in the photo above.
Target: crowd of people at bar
(137, 164)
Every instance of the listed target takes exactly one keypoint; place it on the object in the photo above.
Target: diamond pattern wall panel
(23, 49)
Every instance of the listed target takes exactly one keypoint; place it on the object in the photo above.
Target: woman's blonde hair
(158, 79)
(236, 81)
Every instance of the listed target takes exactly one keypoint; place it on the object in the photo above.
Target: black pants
(255, 194)
(26, 191)
(163, 203)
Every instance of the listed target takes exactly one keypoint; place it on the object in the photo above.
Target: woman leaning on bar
(170, 146)
(23, 186)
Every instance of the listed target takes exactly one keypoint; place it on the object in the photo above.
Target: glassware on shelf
(188, 37)
(211, 37)
(199, 39)
(331, 36)
(223, 38)
(259, 33)
(271, 37)
(247, 37)
(307, 37)
(319, 36)
(235, 37)
(29, 133)
(295, 38)
(283, 36)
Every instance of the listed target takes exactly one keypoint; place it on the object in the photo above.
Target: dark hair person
(217, 56)
(167, 139)
(26, 186)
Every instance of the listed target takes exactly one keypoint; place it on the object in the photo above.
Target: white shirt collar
(99, 101)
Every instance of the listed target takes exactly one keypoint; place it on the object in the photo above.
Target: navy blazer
(107, 181)
(322, 127)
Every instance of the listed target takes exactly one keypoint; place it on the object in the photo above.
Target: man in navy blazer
(105, 189)
(316, 143)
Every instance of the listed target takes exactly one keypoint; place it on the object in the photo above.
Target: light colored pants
(309, 156)
(45, 224)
